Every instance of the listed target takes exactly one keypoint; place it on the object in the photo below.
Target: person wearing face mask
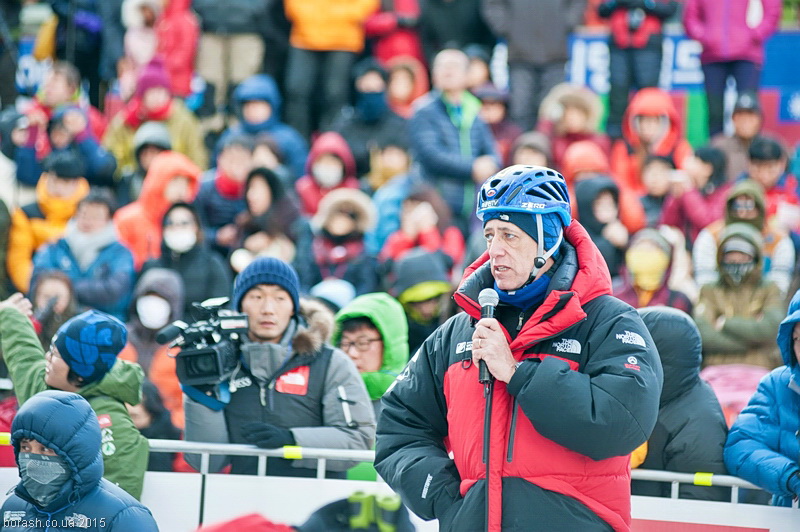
(739, 314)
(330, 165)
(370, 121)
(157, 301)
(83, 358)
(172, 178)
(644, 278)
(184, 250)
(61, 470)
(100, 268)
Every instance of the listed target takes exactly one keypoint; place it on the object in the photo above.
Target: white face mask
(327, 175)
(180, 240)
(153, 311)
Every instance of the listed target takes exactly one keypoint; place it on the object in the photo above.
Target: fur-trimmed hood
(567, 94)
(349, 200)
(316, 329)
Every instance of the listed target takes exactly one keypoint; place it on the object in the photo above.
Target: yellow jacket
(329, 24)
(37, 224)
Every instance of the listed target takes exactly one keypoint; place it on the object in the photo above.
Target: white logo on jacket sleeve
(631, 338)
(568, 345)
(463, 346)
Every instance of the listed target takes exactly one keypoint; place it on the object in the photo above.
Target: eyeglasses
(362, 344)
(744, 204)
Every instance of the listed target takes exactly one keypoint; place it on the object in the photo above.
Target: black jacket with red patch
(561, 430)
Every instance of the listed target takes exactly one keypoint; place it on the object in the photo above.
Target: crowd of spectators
(174, 145)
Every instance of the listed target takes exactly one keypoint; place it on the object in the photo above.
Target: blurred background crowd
(152, 149)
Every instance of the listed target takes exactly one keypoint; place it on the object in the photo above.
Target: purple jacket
(720, 26)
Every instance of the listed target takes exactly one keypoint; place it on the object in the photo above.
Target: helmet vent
(514, 193)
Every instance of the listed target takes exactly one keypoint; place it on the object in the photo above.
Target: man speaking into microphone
(542, 441)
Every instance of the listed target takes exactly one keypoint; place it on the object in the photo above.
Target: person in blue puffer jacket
(763, 445)
(61, 470)
(258, 106)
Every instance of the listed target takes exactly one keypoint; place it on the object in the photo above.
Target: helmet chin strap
(540, 261)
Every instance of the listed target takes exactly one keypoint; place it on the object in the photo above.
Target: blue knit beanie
(90, 342)
(551, 226)
(266, 270)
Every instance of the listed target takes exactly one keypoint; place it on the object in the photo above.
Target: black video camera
(210, 346)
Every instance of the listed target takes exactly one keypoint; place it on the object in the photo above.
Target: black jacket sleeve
(610, 406)
(410, 453)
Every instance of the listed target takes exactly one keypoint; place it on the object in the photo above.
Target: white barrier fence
(181, 501)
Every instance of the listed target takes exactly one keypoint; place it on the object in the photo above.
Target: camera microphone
(488, 300)
(170, 332)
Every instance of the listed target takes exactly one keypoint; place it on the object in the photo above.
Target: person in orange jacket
(172, 177)
(326, 36)
(651, 126)
(586, 159)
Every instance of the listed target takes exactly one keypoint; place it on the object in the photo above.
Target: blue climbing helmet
(535, 190)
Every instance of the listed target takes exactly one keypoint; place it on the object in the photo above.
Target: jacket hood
(349, 199)
(155, 133)
(653, 101)
(751, 189)
(75, 438)
(584, 156)
(418, 72)
(164, 283)
(123, 382)
(586, 191)
(259, 87)
(60, 210)
(131, 14)
(418, 266)
(785, 331)
(679, 345)
(751, 235)
(316, 327)
(389, 318)
(332, 143)
(177, 6)
(163, 169)
(581, 276)
(567, 94)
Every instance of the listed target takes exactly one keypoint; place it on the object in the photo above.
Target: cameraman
(289, 387)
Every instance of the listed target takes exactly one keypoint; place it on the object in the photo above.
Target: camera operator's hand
(267, 436)
(490, 345)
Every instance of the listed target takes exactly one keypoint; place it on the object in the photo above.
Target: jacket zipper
(512, 432)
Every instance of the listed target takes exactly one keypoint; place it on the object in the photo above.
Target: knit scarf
(85, 247)
(228, 187)
(135, 113)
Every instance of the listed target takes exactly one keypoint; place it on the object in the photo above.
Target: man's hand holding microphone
(490, 349)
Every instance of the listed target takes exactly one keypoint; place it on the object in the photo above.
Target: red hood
(584, 156)
(333, 143)
(591, 280)
(653, 101)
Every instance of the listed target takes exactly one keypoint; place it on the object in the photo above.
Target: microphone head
(488, 298)
(539, 262)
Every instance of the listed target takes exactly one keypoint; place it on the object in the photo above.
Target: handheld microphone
(488, 300)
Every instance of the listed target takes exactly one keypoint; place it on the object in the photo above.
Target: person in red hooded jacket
(584, 160)
(393, 31)
(576, 387)
(651, 126)
(172, 178)
(330, 165)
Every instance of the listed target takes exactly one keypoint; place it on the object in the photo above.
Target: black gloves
(267, 436)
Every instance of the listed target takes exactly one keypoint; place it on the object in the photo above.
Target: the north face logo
(631, 338)
(294, 382)
(463, 346)
(568, 345)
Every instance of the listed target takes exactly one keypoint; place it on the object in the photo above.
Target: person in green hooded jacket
(372, 330)
(82, 359)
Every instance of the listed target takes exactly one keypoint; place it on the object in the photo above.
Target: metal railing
(205, 450)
